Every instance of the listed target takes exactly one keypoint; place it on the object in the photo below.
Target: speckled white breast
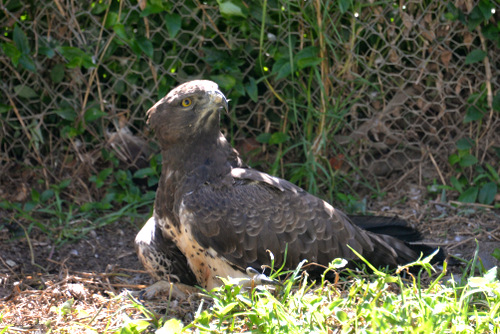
(206, 264)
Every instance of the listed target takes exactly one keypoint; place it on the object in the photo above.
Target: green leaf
(152, 181)
(251, 89)
(21, 40)
(278, 138)
(172, 326)
(342, 316)
(473, 114)
(452, 13)
(57, 73)
(282, 68)
(284, 71)
(475, 18)
(28, 206)
(135, 47)
(25, 92)
(101, 177)
(133, 327)
(481, 174)
(152, 8)
(497, 150)
(493, 173)
(489, 277)
(468, 160)
(105, 173)
(308, 62)
(174, 23)
(469, 195)
(4, 108)
(86, 207)
(120, 31)
(146, 46)
(226, 309)
(344, 5)
(308, 57)
(66, 113)
(93, 114)
(119, 87)
(47, 51)
(46, 195)
(496, 102)
(76, 57)
(465, 143)
(225, 81)
(144, 172)
(27, 62)
(69, 132)
(230, 9)
(487, 193)
(98, 7)
(35, 195)
(485, 6)
(64, 184)
(12, 52)
(456, 184)
(491, 32)
(263, 138)
(496, 254)
(475, 56)
(111, 19)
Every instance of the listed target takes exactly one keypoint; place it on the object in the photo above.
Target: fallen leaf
(445, 58)
(337, 161)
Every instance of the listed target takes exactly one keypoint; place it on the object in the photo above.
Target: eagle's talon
(256, 279)
(171, 290)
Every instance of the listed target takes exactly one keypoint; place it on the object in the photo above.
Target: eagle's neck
(188, 165)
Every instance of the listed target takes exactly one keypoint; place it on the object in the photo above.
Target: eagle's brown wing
(258, 212)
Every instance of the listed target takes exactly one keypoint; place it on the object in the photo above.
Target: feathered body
(224, 217)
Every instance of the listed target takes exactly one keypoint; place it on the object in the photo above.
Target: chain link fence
(376, 93)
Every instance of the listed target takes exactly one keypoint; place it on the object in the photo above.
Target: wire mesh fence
(372, 92)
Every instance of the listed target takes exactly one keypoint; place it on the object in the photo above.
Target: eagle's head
(191, 110)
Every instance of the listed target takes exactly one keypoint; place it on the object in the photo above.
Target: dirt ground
(88, 283)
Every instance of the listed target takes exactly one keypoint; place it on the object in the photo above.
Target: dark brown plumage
(224, 217)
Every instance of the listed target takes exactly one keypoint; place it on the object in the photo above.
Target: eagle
(216, 217)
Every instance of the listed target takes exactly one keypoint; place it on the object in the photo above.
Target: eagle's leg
(164, 262)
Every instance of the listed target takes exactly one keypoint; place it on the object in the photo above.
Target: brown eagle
(215, 217)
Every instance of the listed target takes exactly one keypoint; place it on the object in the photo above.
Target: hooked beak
(217, 98)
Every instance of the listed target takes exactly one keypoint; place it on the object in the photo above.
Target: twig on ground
(443, 181)
(461, 243)
(479, 205)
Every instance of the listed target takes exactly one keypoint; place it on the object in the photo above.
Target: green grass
(358, 302)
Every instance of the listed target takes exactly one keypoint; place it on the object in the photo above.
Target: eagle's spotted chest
(206, 264)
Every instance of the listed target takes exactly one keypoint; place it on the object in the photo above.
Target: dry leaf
(407, 20)
(445, 58)
(142, 4)
(393, 56)
(468, 38)
(428, 35)
(337, 161)
(428, 18)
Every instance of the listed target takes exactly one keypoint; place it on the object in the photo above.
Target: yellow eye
(186, 102)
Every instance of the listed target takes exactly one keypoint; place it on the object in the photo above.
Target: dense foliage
(337, 96)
